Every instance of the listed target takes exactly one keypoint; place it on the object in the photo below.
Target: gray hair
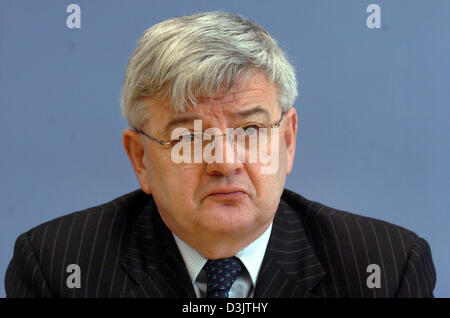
(197, 55)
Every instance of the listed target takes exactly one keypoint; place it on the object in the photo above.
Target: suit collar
(290, 267)
(153, 260)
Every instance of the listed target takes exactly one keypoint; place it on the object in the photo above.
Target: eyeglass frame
(164, 143)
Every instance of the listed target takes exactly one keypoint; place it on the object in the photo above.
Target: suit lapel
(290, 267)
(152, 259)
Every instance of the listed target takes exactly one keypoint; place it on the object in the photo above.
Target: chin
(229, 219)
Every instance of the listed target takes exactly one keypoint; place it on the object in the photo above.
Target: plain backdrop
(373, 108)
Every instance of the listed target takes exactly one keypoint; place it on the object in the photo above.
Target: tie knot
(221, 274)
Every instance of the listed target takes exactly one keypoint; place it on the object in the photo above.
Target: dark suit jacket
(124, 249)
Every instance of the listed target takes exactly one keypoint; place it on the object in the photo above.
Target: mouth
(226, 193)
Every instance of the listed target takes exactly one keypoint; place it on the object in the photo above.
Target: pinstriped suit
(125, 250)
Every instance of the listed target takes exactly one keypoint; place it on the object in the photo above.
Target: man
(209, 101)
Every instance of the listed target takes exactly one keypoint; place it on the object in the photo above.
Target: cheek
(267, 186)
(174, 185)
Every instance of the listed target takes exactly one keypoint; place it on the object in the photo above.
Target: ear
(290, 137)
(135, 150)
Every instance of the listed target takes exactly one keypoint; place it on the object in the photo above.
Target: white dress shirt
(251, 256)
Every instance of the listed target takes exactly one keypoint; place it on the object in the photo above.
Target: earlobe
(136, 154)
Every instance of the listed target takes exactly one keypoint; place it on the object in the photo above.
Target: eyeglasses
(243, 134)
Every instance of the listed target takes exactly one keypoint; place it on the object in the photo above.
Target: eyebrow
(257, 110)
(179, 121)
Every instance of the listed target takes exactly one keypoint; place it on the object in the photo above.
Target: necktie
(221, 274)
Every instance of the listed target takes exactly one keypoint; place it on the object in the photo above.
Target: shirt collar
(193, 260)
(251, 256)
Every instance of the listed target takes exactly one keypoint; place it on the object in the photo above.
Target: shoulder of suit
(127, 205)
(320, 217)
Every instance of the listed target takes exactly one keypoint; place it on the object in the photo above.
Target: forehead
(254, 89)
(255, 96)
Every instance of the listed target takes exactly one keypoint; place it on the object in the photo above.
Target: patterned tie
(221, 274)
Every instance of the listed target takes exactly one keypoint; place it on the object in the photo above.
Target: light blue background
(373, 108)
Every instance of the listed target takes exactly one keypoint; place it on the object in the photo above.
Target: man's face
(219, 201)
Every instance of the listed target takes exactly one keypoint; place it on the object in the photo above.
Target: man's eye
(251, 130)
(183, 138)
(190, 138)
(187, 138)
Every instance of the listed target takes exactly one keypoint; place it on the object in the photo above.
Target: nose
(223, 169)
(229, 163)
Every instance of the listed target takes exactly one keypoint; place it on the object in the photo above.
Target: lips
(226, 192)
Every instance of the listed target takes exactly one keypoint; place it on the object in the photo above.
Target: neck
(214, 246)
